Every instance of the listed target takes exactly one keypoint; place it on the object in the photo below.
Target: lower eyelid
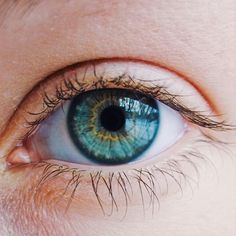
(83, 200)
(58, 187)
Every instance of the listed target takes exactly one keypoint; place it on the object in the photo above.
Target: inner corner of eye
(20, 155)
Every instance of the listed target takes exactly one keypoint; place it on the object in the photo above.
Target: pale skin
(196, 39)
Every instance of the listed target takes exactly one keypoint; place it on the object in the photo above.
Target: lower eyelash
(148, 179)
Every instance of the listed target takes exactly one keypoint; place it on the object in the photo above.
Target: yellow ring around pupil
(113, 126)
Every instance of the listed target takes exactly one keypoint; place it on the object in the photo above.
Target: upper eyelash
(68, 90)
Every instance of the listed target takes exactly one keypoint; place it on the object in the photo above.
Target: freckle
(19, 156)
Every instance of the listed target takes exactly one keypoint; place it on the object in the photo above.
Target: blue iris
(113, 126)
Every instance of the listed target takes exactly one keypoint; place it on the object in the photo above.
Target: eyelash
(68, 90)
(145, 177)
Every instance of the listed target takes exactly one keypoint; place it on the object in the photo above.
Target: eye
(107, 126)
(106, 129)
(105, 113)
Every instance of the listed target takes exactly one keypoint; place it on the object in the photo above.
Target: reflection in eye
(108, 126)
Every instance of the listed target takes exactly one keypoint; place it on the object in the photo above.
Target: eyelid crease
(71, 82)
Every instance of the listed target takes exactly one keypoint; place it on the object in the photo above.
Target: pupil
(112, 118)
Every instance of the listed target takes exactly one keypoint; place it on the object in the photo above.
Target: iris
(113, 126)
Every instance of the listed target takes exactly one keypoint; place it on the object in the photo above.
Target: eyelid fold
(50, 93)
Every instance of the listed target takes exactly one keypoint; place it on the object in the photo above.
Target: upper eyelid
(25, 105)
(191, 81)
(138, 82)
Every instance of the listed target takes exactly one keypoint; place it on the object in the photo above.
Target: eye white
(53, 140)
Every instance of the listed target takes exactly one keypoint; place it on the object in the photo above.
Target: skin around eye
(145, 130)
(195, 38)
(102, 191)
